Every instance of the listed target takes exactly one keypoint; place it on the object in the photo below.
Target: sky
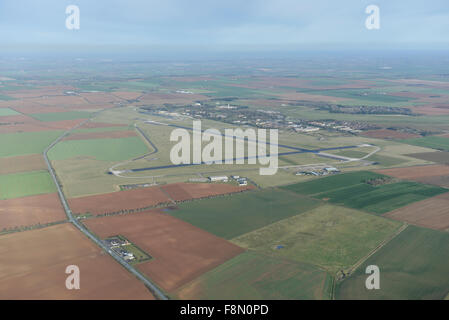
(238, 24)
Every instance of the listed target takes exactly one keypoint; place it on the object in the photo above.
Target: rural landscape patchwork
(367, 183)
(94, 204)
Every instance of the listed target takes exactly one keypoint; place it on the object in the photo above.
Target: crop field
(16, 144)
(34, 263)
(30, 211)
(331, 237)
(252, 275)
(389, 134)
(433, 142)
(437, 156)
(100, 149)
(115, 202)
(352, 190)
(187, 191)
(24, 184)
(231, 216)
(101, 135)
(430, 213)
(435, 174)
(32, 162)
(412, 266)
(61, 116)
(180, 251)
(8, 112)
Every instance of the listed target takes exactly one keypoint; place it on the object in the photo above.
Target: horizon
(231, 26)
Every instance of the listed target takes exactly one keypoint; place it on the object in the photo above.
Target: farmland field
(430, 213)
(32, 162)
(352, 190)
(412, 266)
(233, 215)
(8, 112)
(60, 116)
(15, 144)
(435, 174)
(180, 251)
(25, 184)
(100, 149)
(434, 142)
(119, 201)
(31, 210)
(34, 264)
(329, 236)
(188, 191)
(252, 275)
(437, 156)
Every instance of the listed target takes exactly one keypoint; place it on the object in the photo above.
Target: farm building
(218, 178)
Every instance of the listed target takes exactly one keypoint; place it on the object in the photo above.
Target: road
(154, 289)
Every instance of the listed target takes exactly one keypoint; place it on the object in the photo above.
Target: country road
(154, 289)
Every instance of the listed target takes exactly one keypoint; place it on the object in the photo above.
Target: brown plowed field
(34, 263)
(435, 156)
(101, 135)
(187, 191)
(118, 201)
(433, 174)
(30, 211)
(432, 110)
(64, 124)
(180, 251)
(430, 213)
(24, 163)
(20, 123)
(59, 101)
(7, 120)
(388, 134)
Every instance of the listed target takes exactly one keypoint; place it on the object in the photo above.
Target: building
(331, 170)
(219, 178)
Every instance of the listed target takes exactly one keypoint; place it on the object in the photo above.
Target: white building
(219, 178)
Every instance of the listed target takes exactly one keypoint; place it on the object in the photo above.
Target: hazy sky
(232, 23)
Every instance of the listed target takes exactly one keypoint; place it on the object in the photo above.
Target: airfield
(306, 232)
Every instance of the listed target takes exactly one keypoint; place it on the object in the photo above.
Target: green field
(61, 116)
(8, 112)
(99, 149)
(256, 276)
(433, 142)
(233, 215)
(414, 265)
(332, 237)
(358, 94)
(15, 144)
(25, 184)
(6, 98)
(351, 190)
